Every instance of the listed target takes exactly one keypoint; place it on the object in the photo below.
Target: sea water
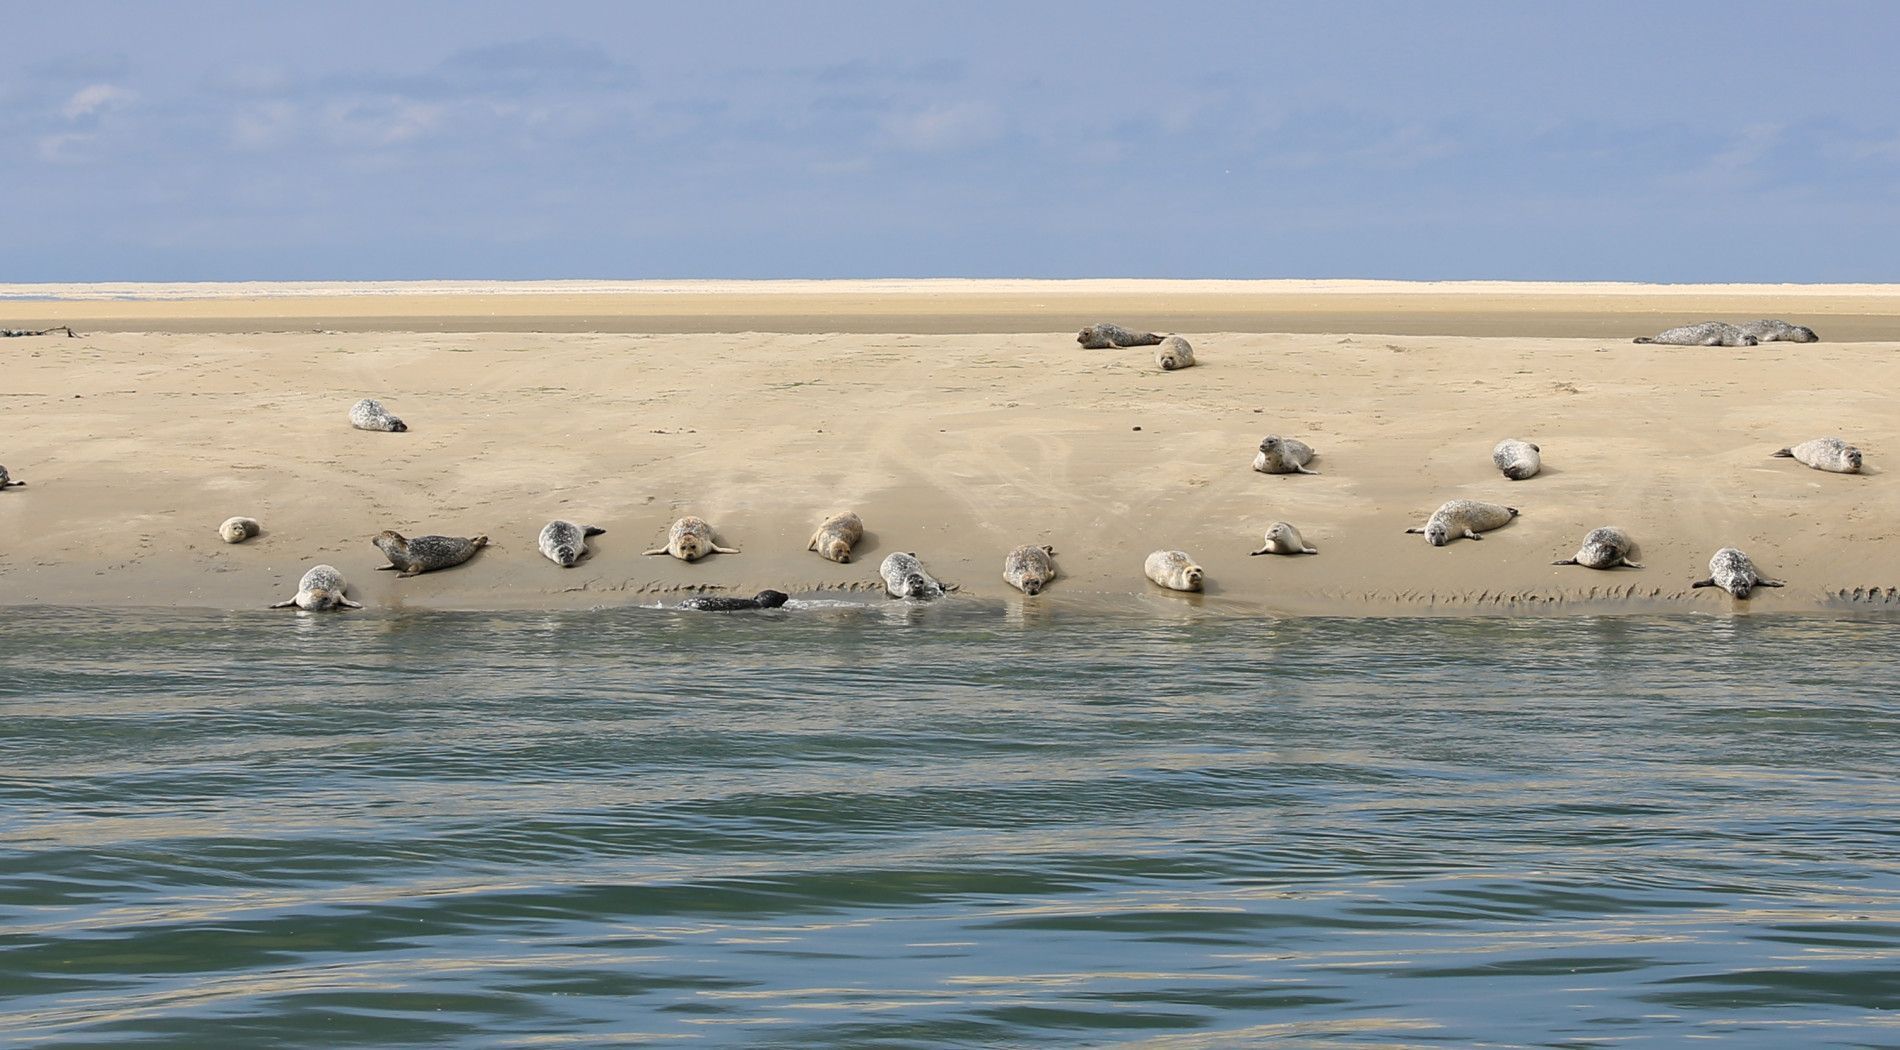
(966, 824)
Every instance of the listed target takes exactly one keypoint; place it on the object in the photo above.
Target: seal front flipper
(348, 604)
(413, 570)
(1702, 583)
(380, 568)
(283, 605)
(1765, 582)
(1566, 561)
(717, 549)
(1786, 453)
(590, 530)
(1631, 564)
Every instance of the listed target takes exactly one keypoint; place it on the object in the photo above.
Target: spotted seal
(1280, 455)
(1464, 517)
(904, 577)
(1830, 454)
(1773, 331)
(565, 543)
(6, 479)
(1174, 352)
(369, 414)
(1707, 333)
(237, 530)
(1174, 570)
(1103, 336)
(321, 588)
(836, 536)
(1518, 459)
(722, 603)
(425, 553)
(1028, 568)
(1283, 538)
(690, 539)
(1603, 548)
(1732, 571)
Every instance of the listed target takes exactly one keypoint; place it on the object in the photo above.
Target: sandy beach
(960, 419)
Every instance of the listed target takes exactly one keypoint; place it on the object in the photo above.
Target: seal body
(905, 577)
(369, 414)
(425, 553)
(1105, 335)
(1029, 569)
(1773, 331)
(1708, 333)
(690, 539)
(837, 535)
(721, 603)
(565, 543)
(321, 588)
(1464, 517)
(1283, 538)
(237, 530)
(1174, 570)
(1732, 571)
(1603, 548)
(6, 479)
(1830, 454)
(1174, 352)
(1280, 455)
(1518, 459)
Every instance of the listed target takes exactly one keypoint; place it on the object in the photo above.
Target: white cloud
(942, 128)
(93, 99)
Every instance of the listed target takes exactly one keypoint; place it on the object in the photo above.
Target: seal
(1518, 459)
(721, 603)
(1603, 548)
(904, 577)
(1174, 570)
(1829, 454)
(1732, 571)
(565, 543)
(837, 535)
(1773, 331)
(1283, 538)
(1464, 517)
(1103, 336)
(1708, 333)
(237, 530)
(321, 588)
(1028, 569)
(425, 553)
(1174, 352)
(690, 539)
(369, 414)
(1283, 456)
(6, 479)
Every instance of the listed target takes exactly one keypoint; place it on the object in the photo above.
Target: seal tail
(590, 530)
(1786, 453)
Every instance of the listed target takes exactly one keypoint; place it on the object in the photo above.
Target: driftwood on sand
(9, 333)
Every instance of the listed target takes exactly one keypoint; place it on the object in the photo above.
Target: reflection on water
(899, 825)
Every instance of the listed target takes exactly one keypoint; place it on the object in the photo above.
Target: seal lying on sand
(369, 414)
(1279, 455)
(425, 553)
(904, 577)
(1464, 517)
(237, 530)
(1603, 548)
(837, 535)
(1708, 333)
(1174, 570)
(6, 479)
(1028, 569)
(1174, 352)
(565, 543)
(1732, 571)
(1283, 538)
(1518, 459)
(721, 603)
(690, 539)
(1105, 335)
(1772, 331)
(321, 588)
(1830, 454)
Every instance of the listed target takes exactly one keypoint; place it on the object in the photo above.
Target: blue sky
(1629, 141)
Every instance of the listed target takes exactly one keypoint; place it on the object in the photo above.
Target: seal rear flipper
(662, 550)
(590, 530)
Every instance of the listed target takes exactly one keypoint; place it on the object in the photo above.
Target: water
(846, 826)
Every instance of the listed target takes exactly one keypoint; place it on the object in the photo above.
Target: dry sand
(954, 434)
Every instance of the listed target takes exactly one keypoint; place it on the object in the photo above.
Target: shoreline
(958, 446)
